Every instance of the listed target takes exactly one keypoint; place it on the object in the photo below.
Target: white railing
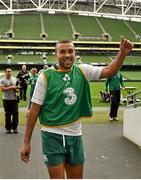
(134, 99)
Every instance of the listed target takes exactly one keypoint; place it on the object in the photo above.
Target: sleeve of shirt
(91, 72)
(121, 80)
(2, 83)
(40, 90)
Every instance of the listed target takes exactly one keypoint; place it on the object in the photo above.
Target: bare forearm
(3, 89)
(31, 121)
(115, 65)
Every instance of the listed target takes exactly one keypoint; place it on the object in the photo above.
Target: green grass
(100, 117)
(96, 87)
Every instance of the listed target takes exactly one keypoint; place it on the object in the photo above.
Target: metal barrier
(134, 99)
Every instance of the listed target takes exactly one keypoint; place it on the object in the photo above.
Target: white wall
(132, 125)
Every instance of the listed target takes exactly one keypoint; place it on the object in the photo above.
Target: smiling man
(60, 99)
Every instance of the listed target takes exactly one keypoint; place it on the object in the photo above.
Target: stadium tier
(37, 33)
(65, 26)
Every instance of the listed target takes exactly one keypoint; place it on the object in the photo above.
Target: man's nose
(67, 54)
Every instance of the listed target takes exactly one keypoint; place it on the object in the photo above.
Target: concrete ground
(108, 154)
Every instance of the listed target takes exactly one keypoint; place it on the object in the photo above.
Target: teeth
(67, 60)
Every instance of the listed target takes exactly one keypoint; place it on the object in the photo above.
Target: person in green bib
(114, 84)
(61, 98)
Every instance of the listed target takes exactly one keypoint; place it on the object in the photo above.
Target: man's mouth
(68, 61)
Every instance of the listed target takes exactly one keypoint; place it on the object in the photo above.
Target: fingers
(25, 157)
(121, 39)
(126, 43)
(25, 152)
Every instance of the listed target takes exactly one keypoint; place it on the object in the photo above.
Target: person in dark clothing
(10, 103)
(114, 83)
(23, 77)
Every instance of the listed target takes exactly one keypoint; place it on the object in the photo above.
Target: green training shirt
(67, 97)
(114, 82)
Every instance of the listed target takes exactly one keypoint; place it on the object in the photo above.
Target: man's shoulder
(2, 79)
(49, 70)
(13, 78)
(83, 65)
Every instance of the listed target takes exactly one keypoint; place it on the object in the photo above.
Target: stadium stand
(87, 23)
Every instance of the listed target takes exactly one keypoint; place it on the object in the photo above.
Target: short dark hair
(8, 68)
(62, 42)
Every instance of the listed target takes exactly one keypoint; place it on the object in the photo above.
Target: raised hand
(125, 46)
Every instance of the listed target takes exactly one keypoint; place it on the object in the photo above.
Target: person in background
(61, 98)
(10, 103)
(78, 60)
(32, 82)
(114, 84)
(45, 67)
(23, 77)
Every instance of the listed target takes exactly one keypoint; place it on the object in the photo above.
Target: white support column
(94, 6)
(11, 4)
(67, 5)
(39, 3)
(122, 6)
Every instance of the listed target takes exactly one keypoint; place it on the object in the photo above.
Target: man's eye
(62, 52)
(70, 51)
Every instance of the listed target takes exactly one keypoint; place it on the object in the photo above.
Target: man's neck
(8, 77)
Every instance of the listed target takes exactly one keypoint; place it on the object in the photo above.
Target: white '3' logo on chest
(71, 96)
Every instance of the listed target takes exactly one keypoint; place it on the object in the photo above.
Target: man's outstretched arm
(115, 65)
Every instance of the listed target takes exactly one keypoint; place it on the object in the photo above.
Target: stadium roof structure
(121, 9)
